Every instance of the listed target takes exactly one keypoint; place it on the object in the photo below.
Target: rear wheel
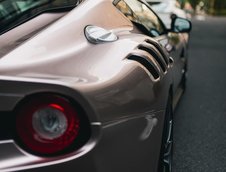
(165, 162)
(184, 77)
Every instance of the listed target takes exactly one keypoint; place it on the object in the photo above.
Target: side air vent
(160, 49)
(157, 56)
(147, 64)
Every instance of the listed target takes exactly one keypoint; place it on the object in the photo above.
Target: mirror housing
(180, 25)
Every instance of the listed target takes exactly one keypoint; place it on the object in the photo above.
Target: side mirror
(180, 25)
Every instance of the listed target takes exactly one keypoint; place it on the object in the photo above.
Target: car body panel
(109, 127)
(122, 100)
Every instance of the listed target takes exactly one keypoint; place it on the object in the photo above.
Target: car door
(147, 22)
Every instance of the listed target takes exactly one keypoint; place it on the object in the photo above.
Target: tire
(166, 153)
(184, 78)
(183, 82)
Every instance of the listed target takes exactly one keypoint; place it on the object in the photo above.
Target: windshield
(165, 6)
(15, 12)
(159, 7)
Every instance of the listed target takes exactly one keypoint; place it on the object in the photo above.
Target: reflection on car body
(90, 88)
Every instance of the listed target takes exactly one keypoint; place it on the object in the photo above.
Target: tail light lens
(47, 124)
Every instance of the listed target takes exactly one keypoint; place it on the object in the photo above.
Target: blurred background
(193, 7)
(212, 7)
(199, 130)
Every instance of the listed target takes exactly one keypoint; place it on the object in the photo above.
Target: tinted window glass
(127, 11)
(138, 12)
(13, 12)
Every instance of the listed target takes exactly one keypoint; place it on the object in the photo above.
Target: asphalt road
(200, 118)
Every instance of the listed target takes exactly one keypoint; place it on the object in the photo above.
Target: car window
(161, 7)
(139, 13)
(14, 12)
(127, 11)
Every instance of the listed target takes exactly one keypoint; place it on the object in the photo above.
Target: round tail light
(47, 124)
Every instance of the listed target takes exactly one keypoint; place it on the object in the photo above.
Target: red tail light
(47, 124)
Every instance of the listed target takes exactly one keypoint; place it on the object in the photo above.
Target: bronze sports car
(88, 85)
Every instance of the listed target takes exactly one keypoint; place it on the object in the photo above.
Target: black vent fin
(156, 55)
(160, 49)
(147, 64)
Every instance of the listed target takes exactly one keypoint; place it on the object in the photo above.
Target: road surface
(200, 118)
